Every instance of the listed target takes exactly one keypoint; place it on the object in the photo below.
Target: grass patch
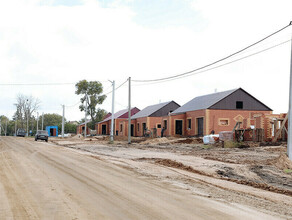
(206, 146)
(231, 144)
(288, 171)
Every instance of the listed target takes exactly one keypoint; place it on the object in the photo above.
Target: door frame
(182, 126)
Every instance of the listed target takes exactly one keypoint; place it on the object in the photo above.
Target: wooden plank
(279, 131)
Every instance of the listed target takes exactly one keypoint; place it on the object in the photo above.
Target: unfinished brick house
(150, 118)
(81, 127)
(217, 112)
(104, 127)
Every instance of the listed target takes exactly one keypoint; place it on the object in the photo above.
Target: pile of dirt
(175, 164)
(162, 140)
(78, 136)
(189, 141)
(281, 162)
(100, 138)
(225, 174)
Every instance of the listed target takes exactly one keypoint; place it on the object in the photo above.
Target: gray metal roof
(149, 110)
(203, 102)
(116, 115)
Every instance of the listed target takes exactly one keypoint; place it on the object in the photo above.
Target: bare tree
(25, 107)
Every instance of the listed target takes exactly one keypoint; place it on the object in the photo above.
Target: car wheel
(47, 140)
(35, 139)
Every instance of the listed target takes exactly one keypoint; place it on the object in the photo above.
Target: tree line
(27, 106)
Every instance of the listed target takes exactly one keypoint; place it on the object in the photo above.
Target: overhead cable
(117, 87)
(218, 66)
(217, 61)
(35, 84)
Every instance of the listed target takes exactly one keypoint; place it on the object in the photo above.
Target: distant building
(104, 126)
(81, 128)
(52, 131)
(150, 118)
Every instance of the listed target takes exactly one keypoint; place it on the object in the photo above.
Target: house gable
(240, 100)
(170, 107)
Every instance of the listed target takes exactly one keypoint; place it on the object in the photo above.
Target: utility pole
(37, 122)
(43, 121)
(15, 127)
(113, 110)
(63, 121)
(129, 123)
(0, 126)
(289, 144)
(5, 127)
(85, 115)
(27, 118)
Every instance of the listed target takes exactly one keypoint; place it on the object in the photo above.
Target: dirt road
(41, 180)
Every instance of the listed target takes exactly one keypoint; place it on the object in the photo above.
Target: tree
(70, 128)
(25, 107)
(91, 95)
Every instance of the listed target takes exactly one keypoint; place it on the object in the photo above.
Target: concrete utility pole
(15, 127)
(37, 122)
(129, 123)
(0, 126)
(85, 115)
(26, 119)
(5, 127)
(63, 121)
(113, 110)
(289, 144)
(43, 121)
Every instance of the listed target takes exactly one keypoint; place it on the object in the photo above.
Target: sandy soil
(82, 179)
(253, 175)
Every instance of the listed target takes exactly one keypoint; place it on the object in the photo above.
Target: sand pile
(162, 140)
(78, 136)
(189, 141)
(282, 162)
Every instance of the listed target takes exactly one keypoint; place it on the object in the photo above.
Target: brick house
(106, 116)
(151, 116)
(217, 112)
(104, 127)
(81, 127)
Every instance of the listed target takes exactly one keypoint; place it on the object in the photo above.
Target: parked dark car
(20, 132)
(42, 135)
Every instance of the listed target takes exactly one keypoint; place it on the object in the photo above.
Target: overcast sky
(64, 41)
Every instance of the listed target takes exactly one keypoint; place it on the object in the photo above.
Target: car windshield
(43, 132)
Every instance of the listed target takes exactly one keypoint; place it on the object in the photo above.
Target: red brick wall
(140, 121)
(153, 122)
(79, 129)
(171, 120)
(193, 115)
(233, 116)
(100, 127)
(167, 129)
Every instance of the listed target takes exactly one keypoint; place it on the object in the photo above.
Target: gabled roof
(119, 114)
(87, 121)
(203, 102)
(149, 110)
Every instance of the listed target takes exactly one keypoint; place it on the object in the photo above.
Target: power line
(217, 61)
(40, 84)
(117, 87)
(35, 84)
(224, 64)
(70, 106)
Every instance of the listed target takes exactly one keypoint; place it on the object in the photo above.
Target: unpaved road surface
(41, 180)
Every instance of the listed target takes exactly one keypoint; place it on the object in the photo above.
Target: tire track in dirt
(20, 201)
(99, 189)
(179, 165)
